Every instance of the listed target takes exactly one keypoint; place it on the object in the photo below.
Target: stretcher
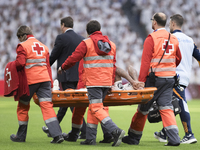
(77, 98)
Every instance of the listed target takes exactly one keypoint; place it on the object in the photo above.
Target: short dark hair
(161, 20)
(68, 22)
(93, 26)
(178, 19)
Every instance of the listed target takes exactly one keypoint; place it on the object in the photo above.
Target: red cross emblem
(38, 48)
(8, 77)
(170, 47)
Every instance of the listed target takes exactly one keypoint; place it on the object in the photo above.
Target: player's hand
(138, 85)
(59, 70)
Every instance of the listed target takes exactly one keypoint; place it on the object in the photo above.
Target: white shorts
(119, 86)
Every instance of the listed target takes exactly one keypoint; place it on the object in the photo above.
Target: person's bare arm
(122, 73)
(135, 83)
(133, 73)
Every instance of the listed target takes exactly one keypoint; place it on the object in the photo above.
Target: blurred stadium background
(126, 22)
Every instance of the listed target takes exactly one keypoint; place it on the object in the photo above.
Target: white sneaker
(160, 136)
(188, 139)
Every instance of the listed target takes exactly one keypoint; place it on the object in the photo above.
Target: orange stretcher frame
(78, 98)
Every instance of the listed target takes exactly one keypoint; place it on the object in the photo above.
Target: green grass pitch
(121, 115)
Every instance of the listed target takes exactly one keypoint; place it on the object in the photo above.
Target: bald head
(160, 18)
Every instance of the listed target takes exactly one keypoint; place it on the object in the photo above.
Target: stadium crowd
(43, 17)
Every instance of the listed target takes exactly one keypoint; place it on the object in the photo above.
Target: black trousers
(62, 110)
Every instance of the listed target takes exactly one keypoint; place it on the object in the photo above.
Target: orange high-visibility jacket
(167, 66)
(98, 69)
(36, 67)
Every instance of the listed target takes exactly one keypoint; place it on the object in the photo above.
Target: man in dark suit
(64, 46)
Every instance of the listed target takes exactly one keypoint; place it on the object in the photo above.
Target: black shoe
(69, 137)
(15, 138)
(46, 130)
(88, 142)
(117, 134)
(129, 140)
(170, 144)
(107, 140)
(58, 139)
(82, 136)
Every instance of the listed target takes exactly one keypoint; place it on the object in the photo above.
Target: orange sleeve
(147, 55)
